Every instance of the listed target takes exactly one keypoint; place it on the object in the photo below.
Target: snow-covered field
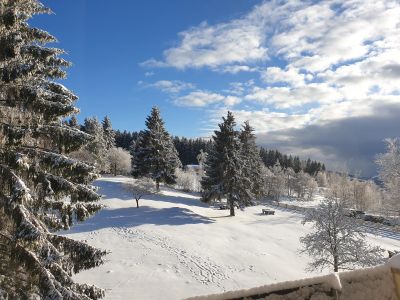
(174, 246)
(314, 202)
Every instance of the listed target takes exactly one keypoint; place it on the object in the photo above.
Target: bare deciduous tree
(188, 180)
(337, 241)
(389, 172)
(119, 161)
(141, 187)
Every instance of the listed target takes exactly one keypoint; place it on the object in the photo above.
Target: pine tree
(252, 163)
(98, 146)
(108, 133)
(224, 170)
(154, 153)
(73, 122)
(41, 189)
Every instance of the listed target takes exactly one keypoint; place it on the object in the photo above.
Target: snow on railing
(379, 282)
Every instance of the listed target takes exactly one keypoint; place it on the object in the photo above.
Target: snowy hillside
(174, 246)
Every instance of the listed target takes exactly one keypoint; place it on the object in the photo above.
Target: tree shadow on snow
(132, 217)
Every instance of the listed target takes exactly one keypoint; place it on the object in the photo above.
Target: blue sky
(315, 78)
(106, 44)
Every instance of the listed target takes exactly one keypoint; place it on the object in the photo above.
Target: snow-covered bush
(188, 180)
(119, 161)
(321, 179)
(312, 187)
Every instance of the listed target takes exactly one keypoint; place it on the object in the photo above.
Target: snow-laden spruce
(108, 133)
(41, 189)
(154, 154)
(233, 166)
(251, 160)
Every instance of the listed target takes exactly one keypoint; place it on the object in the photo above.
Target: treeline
(189, 149)
(271, 157)
(124, 139)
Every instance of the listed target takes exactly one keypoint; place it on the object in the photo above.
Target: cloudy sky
(315, 78)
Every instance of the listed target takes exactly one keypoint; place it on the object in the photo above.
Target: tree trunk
(137, 203)
(115, 169)
(158, 185)
(335, 263)
(232, 208)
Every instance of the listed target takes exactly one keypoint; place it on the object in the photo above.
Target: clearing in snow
(174, 246)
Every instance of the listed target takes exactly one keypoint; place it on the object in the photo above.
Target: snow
(317, 198)
(330, 281)
(175, 246)
(394, 262)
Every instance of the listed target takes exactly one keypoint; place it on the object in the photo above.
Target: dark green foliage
(154, 154)
(36, 175)
(97, 147)
(125, 139)
(108, 133)
(225, 170)
(252, 163)
(270, 157)
(189, 149)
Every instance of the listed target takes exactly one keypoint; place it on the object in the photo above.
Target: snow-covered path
(174, 246)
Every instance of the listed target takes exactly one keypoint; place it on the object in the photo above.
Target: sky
(318, 79)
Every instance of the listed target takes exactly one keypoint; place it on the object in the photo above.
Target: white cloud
(270, 121)
(168, 86)
(321, 62)
(234, 69)
(291, 76)
(204, 98)
(148, 74)
(240, 88)
(288, 97)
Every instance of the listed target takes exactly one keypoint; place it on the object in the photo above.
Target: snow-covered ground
(317, 198)
(174, 246)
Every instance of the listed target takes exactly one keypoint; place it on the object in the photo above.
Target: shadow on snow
(132, 217)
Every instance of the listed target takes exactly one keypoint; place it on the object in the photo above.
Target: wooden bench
(268, 211)
(223, 207)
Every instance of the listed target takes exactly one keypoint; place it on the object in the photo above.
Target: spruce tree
(154, 153)
(41, 189)
(73, 122)
(108, 133)
(252, 163)
(224, 170)
(98, 145)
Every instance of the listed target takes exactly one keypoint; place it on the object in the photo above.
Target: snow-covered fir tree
(97, 148)
(73, 122)
(252, 163)
(224, 170)
(41, 189)
(108, 133)
(337, 241)
(154, 154)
